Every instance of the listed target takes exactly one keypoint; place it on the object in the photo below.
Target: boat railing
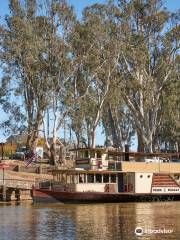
(43, 184)
(51, 184)
(110, 187)
(63, 186)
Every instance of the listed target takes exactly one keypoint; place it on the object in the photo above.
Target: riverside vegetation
(116, 67)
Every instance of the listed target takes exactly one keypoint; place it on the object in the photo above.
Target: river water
(157, 220)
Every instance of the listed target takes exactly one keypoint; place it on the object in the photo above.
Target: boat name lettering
(166, 189)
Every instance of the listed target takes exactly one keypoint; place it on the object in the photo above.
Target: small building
(17, 139)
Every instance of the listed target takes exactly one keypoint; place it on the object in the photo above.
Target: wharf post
(4, 197)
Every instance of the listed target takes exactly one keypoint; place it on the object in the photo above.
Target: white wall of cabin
(91, 187)
(143, 184)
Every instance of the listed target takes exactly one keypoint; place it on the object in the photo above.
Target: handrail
(14, 179)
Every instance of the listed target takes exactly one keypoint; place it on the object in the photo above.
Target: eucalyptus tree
(13, 119)
(94, 49)
(19, 53)
(60, 68)
(149, 48)
(76, 125)
(36, 57)
(117, 122)
(169, 132)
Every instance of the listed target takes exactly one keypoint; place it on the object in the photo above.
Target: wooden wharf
(16, 185)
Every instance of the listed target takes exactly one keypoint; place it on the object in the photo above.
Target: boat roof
(88, 171)
(100, 149)
(117, 152)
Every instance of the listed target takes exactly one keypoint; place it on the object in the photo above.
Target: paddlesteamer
(108, 175)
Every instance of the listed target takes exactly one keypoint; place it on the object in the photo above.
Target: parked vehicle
(156, 160)
(20, 153)
(175, 160)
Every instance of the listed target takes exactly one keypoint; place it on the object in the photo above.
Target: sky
(80, 4)
(171, 5)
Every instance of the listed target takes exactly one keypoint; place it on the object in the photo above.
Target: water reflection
(96, 221)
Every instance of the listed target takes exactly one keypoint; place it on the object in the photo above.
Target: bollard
(4, 193)
(17, 194)
(39, 170)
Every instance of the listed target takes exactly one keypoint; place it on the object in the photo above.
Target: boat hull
(50, 196)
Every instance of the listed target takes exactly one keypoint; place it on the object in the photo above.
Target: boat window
(176, 177)
(84, 178)
(98, 154)
(81, 178)
(92, 154)
(98, 178)
(63, 178)
(68, 179)
(113, 178)
(81, 154)
(90, 178)
(86, 154)
(141, 176)
(105, 178)
(75, 179)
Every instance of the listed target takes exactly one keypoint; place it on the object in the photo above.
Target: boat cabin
(113, 181)
(98, 158)
(93, 181)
